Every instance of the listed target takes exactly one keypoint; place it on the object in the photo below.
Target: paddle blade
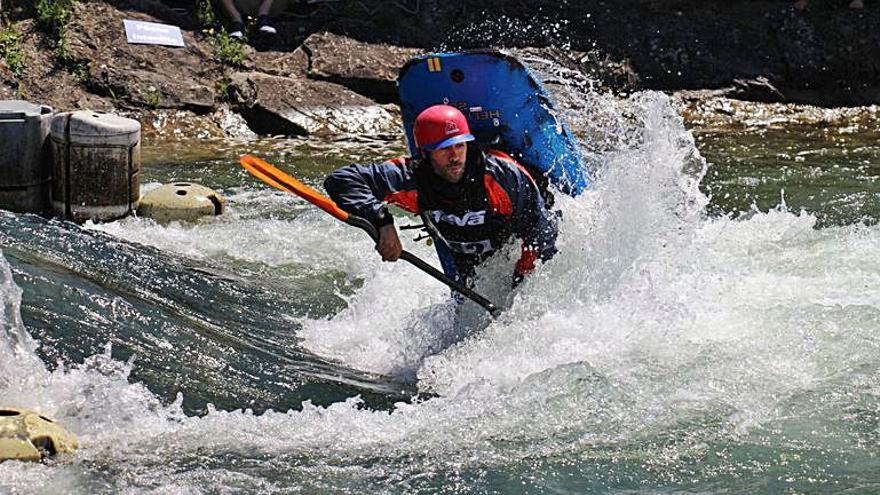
(267, 173)
(263, 171)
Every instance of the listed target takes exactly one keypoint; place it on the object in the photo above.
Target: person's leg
(265, 6)
(801, 4)
(236, 26)
(857, 4)
(264, 22)
(231, 11)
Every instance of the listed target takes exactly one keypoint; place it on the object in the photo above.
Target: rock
(30, 436)
(707, 110)
(282, 105)
(413, 23)
(8, 84)
(758, 89)
(163, 124)
(284, 64)
(43, 81)
(141, 75)
(368, 69)
(827, 55)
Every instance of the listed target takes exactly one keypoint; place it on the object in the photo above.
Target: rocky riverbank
(333, 68)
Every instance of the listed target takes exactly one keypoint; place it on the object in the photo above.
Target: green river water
(711, 325)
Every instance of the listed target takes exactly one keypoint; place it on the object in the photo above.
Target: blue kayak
(507, 109)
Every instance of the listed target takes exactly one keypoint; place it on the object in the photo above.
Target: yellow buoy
(183, 201)
(30, 436)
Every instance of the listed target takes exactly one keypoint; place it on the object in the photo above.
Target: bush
(10, 50)
(227, 50)
(54, 14)
(205, 13)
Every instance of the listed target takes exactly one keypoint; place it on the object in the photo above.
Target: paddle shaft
(417, 262)
(280, 180)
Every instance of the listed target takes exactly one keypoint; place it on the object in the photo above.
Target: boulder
(284, 64)
(295, 107)
(368, 69)
(140, 75)
(30, 436)
(43, 81)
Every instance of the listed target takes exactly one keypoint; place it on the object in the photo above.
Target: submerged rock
(713, 110)
(30, 436)
(185, 124)
(757, 89)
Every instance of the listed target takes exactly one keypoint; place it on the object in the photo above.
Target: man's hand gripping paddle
(278, 179)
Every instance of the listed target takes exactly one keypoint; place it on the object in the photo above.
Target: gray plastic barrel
(25, 168)
(97, 161)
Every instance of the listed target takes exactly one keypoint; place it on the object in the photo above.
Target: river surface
(710, 325)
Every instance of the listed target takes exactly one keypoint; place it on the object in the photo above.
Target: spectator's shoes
(264, 25)
(236, 30)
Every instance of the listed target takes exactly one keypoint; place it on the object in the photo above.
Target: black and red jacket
(496, 199)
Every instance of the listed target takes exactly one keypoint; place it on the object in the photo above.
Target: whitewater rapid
(656, 333)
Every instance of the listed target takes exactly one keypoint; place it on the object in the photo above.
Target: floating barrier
(182, 201)
(96, 165)
(25, 170)
(30, 436)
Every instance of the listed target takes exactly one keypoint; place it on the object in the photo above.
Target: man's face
(449, 162)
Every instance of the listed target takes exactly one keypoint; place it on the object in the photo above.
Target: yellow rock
(183, 201)
(30, 436)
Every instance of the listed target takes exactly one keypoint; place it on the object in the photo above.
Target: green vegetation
(223, 89)
(152, 98)
(55, 14)
(205, 13)
(62, 51)
(118, 98)
(227, 51)
(80, 71)
(10, 50)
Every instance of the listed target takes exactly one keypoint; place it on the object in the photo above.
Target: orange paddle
(269, 174)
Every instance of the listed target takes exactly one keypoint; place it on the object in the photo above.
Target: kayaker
(472, 201)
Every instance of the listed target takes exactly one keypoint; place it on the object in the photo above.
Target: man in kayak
(472, 201)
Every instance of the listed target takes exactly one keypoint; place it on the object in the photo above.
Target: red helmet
(440, 126)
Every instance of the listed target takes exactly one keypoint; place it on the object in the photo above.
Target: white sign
(152, 33)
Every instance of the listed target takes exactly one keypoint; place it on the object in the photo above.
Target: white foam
(650, 317)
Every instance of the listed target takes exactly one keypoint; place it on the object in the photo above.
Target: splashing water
(661, 350)
(18, 360)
